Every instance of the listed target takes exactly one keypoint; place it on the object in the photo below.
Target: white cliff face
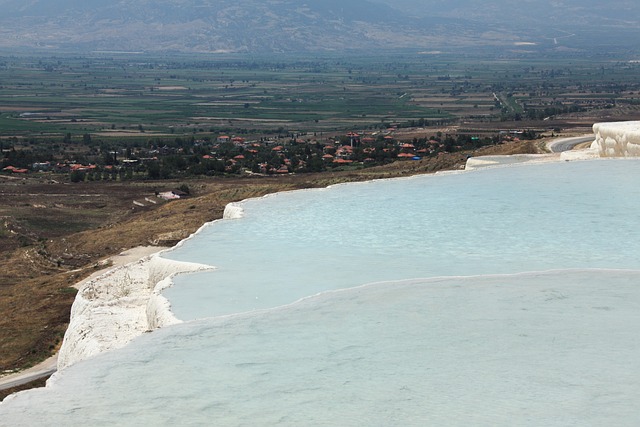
(233, 211)
(112, 309)
(617, 139)
(161, 273)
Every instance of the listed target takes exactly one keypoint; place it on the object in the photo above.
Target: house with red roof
(342, 161)
(14, 169)
(344, 152)
(406, 155)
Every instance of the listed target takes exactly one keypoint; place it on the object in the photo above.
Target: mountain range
(271, 26)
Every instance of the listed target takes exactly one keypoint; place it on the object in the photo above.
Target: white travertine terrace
(115, 307)
(119, 305)
(617, 139)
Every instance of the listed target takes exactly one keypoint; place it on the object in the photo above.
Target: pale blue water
(529, 218)
(499, 347)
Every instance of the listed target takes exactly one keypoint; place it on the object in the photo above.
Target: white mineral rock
(617, 139)
(117, 306)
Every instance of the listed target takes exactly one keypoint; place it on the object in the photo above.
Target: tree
(315, 164)
(76, 176)
(185, 189)
(153, 170)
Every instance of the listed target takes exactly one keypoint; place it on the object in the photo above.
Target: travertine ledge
(617, 139)
(112, 309)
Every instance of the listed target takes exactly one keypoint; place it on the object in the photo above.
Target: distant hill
(262, 26)
(566, 12)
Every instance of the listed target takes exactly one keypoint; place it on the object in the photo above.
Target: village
(219, 155)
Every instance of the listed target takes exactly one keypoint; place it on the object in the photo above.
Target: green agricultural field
(125, 95)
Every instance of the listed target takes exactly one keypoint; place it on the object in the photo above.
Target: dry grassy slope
(36, 307)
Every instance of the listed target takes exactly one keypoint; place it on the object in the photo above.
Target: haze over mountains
(262, 26)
